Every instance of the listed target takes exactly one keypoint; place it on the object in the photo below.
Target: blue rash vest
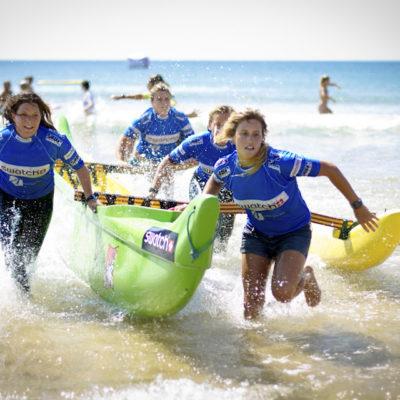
(201, 148)
(26, 165)
(158, 136)
(270, 196)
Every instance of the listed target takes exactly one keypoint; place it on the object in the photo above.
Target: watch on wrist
(91, 197)
(357, 204)
(154, 190)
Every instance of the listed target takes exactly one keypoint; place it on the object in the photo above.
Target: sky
(201, 29)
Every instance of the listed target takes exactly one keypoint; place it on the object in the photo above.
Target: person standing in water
(5, 94)
(323, 94)
(263, 181)
(88, 102)
(202, 150)
(157, 131)
(29, 147)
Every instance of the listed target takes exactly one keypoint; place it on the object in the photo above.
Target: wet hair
(218, 110)
(154, 79)
(13, 103)
(159, 87)
(324, 78)
(24, 84)
(229, 133)
(85, 84)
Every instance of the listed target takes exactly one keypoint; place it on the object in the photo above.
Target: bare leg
(312, 292)
(291, 278)
(324, 109)
(255, 271)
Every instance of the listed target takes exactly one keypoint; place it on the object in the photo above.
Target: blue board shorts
(270, 246)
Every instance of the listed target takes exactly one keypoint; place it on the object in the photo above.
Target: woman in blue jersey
(29, 146)
(205, 152)
(263, 182)
(158, 131)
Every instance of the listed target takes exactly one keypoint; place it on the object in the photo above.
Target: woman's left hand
(366, 219)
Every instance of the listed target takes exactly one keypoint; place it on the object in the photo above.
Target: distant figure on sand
(29, 81)
(25, 87)
(5, 94)
(88, 102)
(323, 94)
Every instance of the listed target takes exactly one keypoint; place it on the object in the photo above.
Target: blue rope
(194, 253)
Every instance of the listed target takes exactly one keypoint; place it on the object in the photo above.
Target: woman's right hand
(181, 207)
(151, 195)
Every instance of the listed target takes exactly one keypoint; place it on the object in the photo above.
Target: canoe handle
(193, 252)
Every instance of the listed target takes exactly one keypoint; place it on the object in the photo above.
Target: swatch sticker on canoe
(161, 242)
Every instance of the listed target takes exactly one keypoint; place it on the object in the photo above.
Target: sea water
(65, 342)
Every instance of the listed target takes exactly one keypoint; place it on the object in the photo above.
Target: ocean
(64, 342)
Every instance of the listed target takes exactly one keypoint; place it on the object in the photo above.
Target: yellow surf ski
(361, 250)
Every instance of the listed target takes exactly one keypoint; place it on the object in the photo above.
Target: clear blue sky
(201, 30)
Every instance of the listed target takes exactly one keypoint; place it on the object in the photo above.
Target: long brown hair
(12, 104)
(218, 110)
(159, 87)
(229, 132)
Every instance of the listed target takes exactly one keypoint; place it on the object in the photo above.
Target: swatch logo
(161, 242)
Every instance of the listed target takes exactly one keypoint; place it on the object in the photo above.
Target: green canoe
(149, 262)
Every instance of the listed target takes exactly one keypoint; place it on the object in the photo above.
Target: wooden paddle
(98, 171)
(105, 168)
(65, 82)
(225, 208)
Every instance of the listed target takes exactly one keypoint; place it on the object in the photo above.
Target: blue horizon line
(205, 60)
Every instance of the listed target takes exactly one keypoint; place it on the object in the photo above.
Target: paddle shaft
(225, 208)
(111, 199)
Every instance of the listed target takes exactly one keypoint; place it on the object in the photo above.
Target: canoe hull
(140, 258)
(149, 262)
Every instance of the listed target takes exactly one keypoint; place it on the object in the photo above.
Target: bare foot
(311, 289)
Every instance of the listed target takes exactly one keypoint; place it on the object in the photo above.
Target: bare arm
(334, 84)
(124, 149)
(366, 219)
(138, 96)
(212, 187)
(84, 178)
(164, 171)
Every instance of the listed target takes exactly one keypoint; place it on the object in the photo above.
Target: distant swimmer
(323, 94)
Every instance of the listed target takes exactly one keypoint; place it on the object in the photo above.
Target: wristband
(154, 190)
(357, 204)
(91, 197)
